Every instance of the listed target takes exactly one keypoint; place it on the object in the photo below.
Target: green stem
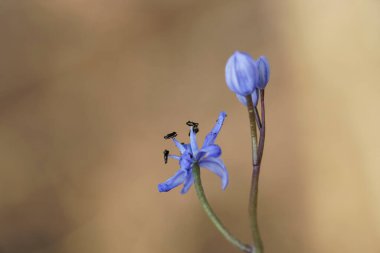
(257, 242)
(211, 214)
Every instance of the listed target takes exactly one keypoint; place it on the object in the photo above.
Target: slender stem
(257, 242)
(211, 214)
(257, 118)
(262, 129)
(252, 121)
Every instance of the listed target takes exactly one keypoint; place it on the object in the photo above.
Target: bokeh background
(89, 88)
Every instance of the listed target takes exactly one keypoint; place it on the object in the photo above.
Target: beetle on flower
(206, 157)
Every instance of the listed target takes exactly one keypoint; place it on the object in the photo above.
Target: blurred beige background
(89, 88)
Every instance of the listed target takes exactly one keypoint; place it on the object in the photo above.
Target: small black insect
(194, 125)
(166, 154)
(170, 136)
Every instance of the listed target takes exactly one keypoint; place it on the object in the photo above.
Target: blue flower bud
(242, 75)
(264, 72)
(254, 96)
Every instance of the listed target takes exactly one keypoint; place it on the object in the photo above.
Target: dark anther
(191, 123)
(166, 154)
(195, 129)
(194, 125)
(170, 136)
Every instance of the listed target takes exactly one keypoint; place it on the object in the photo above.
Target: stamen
(194, 125)
(191, 123)
(170, 136)
(166, 154)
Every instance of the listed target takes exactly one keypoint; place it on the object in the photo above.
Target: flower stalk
(211, 214)
(262, 128)
(257, 151)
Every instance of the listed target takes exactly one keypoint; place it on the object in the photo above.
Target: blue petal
(209, 151)
(174, 157)
(188, 183)
(216, 166)
(210, 138)
(193, 142)
(181, 148)
(173, 182)
(219, 122)
(186, 161)
(187, 148)
(255, 98)
(241, 73)
(264, 72)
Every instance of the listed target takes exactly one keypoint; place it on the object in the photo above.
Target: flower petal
(187, 148)
(178, 178)
(219, 122)
(209, 151)
(210, 138)
(186, 161)
(188, 183)
(181, 147)
(174, 157)
(193, 142)
(216, 166)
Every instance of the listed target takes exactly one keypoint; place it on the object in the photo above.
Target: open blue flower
(206, 157)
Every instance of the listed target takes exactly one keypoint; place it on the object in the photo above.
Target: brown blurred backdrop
(89, 88)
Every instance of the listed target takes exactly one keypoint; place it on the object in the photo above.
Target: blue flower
(206, 157)
(242, 75)
(264, 72)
